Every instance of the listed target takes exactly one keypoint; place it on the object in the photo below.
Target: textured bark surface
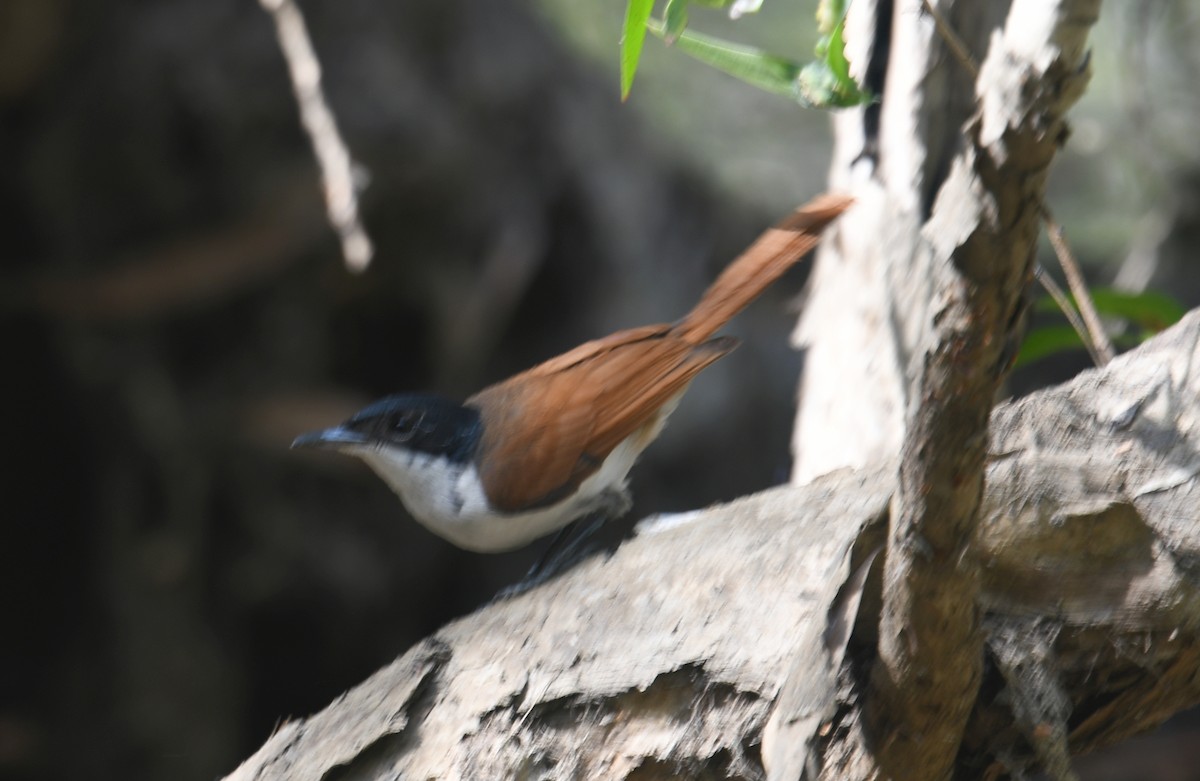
(952, 168)
(1088, 544)
(668, 658)
(666, 655)
(940, 156)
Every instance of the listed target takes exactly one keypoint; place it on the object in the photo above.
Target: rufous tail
(762, 263)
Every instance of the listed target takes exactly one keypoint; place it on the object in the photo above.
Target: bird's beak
(336, 438)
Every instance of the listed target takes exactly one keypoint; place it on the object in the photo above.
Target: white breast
(448, 498)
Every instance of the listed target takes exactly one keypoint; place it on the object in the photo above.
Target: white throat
(448, 498)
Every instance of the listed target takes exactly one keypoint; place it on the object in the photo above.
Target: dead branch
(337, 169)
(667, 658)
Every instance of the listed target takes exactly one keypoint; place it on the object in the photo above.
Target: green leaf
(676, 18)
(768, 72)
(829, 14)
(1051, 339)
(826, 82)
(1047, 340)
(1151, 310)
(835, 53)
(637, 13)
(1148, 313)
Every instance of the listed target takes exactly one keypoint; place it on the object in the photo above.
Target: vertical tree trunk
(950, 168)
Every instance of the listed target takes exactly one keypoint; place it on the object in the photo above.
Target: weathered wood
(667, 658)
(668, 652)
(916, 311)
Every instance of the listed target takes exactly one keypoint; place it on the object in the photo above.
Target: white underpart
(448, 498)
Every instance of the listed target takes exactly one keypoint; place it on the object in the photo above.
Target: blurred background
(174, 310)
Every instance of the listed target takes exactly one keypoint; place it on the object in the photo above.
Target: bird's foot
(571, 545)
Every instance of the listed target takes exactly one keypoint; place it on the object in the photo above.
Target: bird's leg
(570, 545)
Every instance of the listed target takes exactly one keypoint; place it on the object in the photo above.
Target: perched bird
(529, 455)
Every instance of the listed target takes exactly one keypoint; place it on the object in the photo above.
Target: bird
(554, 444)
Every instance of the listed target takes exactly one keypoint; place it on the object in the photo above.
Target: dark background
(173, 310)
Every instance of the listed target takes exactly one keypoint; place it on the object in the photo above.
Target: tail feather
(775, 251)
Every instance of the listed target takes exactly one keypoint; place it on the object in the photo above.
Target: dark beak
(334, 438)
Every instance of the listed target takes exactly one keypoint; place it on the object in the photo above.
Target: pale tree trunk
(951, 169)
(899, 617)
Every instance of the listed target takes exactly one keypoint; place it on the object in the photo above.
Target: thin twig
(957, 47)
(1083, 299)
(1068, 310)
(337, 176)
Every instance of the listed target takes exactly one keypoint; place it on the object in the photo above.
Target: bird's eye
(403, 424)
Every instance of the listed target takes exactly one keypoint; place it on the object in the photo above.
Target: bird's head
(402, 427)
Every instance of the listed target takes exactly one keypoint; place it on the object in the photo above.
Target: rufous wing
(549, 428)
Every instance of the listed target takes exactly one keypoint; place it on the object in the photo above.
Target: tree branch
(978, 246)
(337, 175)
(669, 656)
